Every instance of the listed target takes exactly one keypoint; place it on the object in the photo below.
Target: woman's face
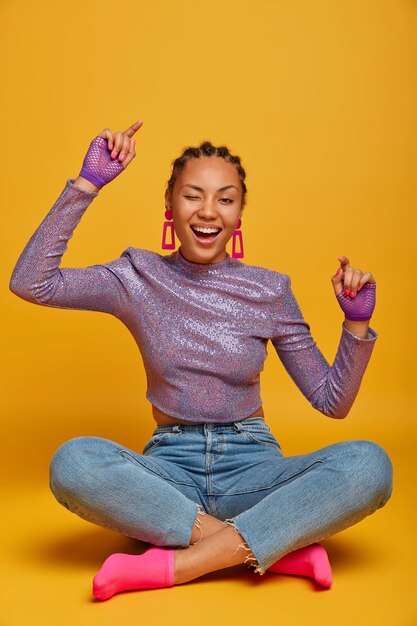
(207, 194)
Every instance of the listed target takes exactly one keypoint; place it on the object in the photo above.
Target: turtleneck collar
(201, 268)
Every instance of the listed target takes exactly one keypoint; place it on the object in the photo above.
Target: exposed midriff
(163, 418)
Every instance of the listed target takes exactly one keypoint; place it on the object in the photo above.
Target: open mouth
(206, 235)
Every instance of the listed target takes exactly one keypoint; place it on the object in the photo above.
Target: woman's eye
(226, 200)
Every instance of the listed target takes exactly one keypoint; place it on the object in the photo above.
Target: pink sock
(126, 572)
(311, 561)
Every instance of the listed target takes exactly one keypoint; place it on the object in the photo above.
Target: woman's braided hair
(206, 148)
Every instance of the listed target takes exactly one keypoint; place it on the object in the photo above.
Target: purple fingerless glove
(98, 166)
(361, 307)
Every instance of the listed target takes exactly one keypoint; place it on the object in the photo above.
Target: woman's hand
(355, 291)
(108, 155)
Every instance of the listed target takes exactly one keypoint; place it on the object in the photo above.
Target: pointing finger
(344, 262)
(132, 129)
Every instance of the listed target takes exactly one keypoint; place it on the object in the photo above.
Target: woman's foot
(311, 561)
(126, 572)
(165, 567)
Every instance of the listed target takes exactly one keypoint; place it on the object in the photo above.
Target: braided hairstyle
(206, 148)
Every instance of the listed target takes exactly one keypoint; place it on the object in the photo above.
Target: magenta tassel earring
(168, 226)
(237, 235)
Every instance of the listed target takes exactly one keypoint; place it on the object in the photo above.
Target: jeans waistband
(253, 422)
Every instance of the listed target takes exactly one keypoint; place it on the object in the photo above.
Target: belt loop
(238, 426)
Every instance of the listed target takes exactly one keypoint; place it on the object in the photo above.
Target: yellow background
(319, 100)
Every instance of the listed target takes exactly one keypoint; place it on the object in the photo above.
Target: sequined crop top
(202, 329)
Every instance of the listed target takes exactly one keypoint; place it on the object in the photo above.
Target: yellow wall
(318, 99)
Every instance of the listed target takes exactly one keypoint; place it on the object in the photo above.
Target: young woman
(211, 488)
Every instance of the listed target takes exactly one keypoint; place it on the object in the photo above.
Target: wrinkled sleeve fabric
(38, 278)
(330, 389)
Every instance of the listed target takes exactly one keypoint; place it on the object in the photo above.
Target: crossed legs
(219, 545)
(103, 483)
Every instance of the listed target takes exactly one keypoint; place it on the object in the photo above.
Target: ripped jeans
(236, 472)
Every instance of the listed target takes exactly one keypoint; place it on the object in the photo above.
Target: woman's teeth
(205, 233)
(205, 230)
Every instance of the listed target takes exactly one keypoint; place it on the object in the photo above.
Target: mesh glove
(361, 307)
(98, 166)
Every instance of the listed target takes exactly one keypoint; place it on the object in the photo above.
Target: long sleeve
(330, 390)
(37, 277)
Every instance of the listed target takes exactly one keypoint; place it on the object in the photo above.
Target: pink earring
(237, 235)
(168, 226)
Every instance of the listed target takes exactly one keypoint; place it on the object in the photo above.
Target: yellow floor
(51, 557)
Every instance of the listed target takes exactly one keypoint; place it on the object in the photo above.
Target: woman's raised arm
(37, 276)
(330, 389)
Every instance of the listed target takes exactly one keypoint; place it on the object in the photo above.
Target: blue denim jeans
(236, 472)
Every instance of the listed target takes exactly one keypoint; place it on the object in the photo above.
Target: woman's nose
(207, 208)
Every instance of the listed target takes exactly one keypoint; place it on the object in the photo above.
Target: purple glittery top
(202, 329)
